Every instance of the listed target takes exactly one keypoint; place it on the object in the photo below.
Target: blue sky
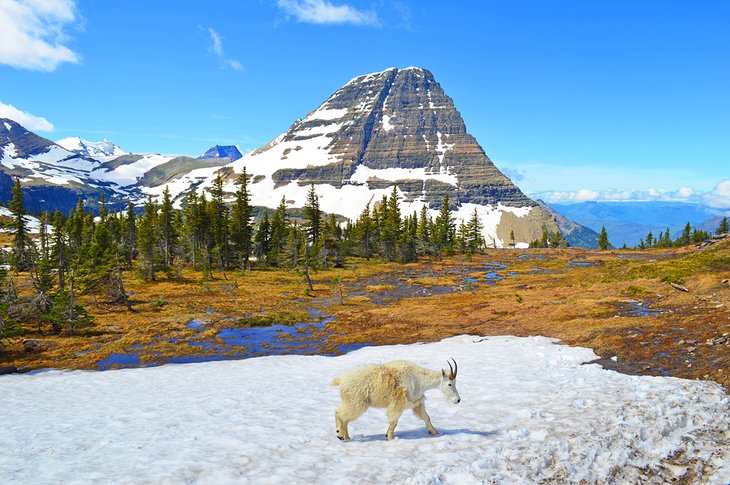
(574, 100)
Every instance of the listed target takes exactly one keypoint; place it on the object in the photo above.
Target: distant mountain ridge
(103, 148)
(629, 222)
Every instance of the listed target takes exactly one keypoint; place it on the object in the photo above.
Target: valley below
(620, 303)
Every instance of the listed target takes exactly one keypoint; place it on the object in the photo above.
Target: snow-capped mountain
(103, 148)
(386, 129)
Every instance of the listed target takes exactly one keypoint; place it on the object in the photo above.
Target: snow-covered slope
(33, 224)
(530, 413)
(104, 148)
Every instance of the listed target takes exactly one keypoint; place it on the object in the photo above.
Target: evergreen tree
(723, 227)
(650, 240)
(167, 230)
(313, 215)
(603, 242)
(391, 226)
(147, 238)
(279, 234)
(59, 249)
(686, 237)
(130, 235)
(41, 269)
(22, 243)
(423, 232)
(444, 228)
(474, 238)
(241, 226)
(263, 239)
(219, 222)
(362, 234)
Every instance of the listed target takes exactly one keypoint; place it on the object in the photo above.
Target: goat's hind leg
(420, 411)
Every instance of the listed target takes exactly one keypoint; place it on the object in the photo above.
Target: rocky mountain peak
(222, 151)
(103, 148)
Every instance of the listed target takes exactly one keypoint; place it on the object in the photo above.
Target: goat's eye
(449, 384)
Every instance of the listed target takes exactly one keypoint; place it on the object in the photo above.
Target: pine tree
(241, 226)
(263, 239)
(650, 240)
(686, 237)
(41, 271)
(279, 234)
(444, 228)
(423, 232)
(313, 215)
(723, 228)
(603, 242)
(219, 222)
(474, 238)
(130, 235)
(22, 243)
(59, 249)
(362, 236)
(391, 226)
(147, 238)
(168, 234)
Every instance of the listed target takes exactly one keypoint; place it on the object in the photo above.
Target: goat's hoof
(433, 432)
(341, 438)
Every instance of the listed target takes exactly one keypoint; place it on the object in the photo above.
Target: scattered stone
(692, 341)
(33, 345)
(679, 287)
(681, 342)
(725, 282)
(8, 370)
(720, 340)
(691, 349)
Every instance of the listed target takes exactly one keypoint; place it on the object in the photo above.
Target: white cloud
(32, 33)
(29, 121)
(324, 12)
(719, 198)
(216, 48)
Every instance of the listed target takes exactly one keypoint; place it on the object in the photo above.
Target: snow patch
(530, 413)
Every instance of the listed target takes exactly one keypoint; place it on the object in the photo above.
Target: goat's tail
(335, 382)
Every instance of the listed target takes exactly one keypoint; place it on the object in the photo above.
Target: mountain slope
(577, 235)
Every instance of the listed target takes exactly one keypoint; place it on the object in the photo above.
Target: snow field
(530, 412)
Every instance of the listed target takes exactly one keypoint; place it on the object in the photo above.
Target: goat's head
(448, 383)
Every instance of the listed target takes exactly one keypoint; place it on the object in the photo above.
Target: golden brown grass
(581, 305)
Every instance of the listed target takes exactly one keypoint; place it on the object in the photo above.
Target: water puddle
(633, 308)
(119, 360)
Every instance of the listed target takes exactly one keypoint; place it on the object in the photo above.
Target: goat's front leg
(420, 411)
(394, 413)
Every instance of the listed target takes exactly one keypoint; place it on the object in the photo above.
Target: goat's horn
(451, 371)
(456, 367)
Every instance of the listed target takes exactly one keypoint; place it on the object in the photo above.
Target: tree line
(86, 253)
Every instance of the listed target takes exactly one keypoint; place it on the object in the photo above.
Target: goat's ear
(443, 373)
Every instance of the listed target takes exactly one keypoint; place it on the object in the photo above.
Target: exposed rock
(8, 370)
(32, 345)
(679, 287)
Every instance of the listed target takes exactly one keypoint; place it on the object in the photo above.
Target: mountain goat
(396, 386)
